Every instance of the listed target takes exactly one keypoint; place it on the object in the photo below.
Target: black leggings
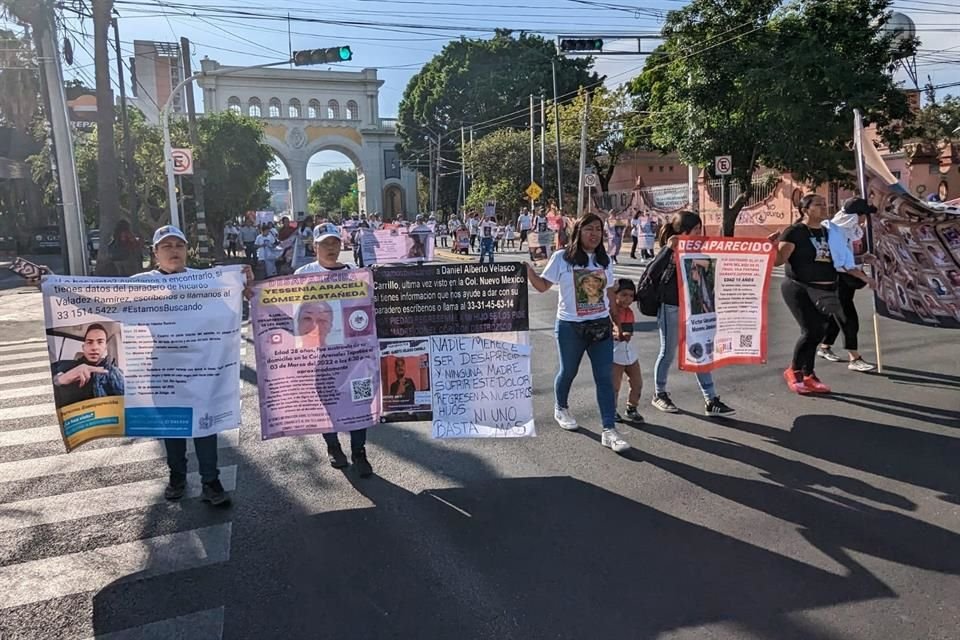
(850, 326)
(813, 325)
(633, 247)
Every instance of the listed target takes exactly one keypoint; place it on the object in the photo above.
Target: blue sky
(399, 36)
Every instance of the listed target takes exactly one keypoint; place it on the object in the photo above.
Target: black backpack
(648, 288)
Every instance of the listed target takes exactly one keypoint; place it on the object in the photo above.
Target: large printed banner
(723, 286)
(316, 345)
(151, 357)
(396, 246)
(454, 347)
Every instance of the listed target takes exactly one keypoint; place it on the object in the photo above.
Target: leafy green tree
(327, 193)
(773, 85)
(939, 119)
(479, 81)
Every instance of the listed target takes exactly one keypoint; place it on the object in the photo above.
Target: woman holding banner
(663, 272)
(584, 274)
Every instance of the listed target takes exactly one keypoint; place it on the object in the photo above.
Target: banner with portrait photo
(317, 365)
(405, 380)
(154, 357)
(723, 290)
(396, 246)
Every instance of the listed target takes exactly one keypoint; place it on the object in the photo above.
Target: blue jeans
(486, 248)
(571, 347)
(668, 321)
(358, 440)
(206, 448)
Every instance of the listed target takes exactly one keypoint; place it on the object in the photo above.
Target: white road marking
(26, 392)
(27, 411)
(26, 377)
(19, 437)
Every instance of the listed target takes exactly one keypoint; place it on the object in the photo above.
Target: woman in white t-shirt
(585, 274)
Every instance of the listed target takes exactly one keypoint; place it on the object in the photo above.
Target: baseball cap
(326, 230)
(166, 232)
(858, 206)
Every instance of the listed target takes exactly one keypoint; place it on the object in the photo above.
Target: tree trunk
(108, 192)
(732, 210)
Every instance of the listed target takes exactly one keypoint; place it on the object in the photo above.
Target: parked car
(93, 242)
(45, 239)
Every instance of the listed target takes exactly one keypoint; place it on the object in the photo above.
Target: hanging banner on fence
(541, 244)
(153, 357)
(396, 246)
(723, 285)
(317, 363)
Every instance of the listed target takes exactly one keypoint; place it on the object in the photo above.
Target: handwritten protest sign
(723, 285)
(317, 362)
(153, 357)
(396, 246)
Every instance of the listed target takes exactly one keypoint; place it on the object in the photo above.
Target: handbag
(594, 330)
(827, 301)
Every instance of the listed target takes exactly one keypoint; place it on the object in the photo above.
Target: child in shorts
(625, 357)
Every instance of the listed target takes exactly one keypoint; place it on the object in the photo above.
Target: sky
(399, 36)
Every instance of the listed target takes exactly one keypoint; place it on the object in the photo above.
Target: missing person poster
(156, 356)
(396, 246)
(541, 244)
(316, 345)
(405, 380)
(723, 285)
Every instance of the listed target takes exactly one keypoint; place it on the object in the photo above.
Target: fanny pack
(827, 301)
(594, 330)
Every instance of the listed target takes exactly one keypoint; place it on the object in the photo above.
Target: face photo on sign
(893, 305)
(902, 296)
(938, 255)
(907, 235)
(953, 276)
(87, 362)
(937, 286)
(921, 310)
(921, 259)
(701, 278)
(925, 233)
(318, 324)
(405, 378)
(951, 235)
(590, 287)
(538, 254)
(932, 304)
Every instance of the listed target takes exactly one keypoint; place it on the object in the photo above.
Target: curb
(449, 255)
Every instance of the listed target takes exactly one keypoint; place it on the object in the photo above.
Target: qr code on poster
(361, 389)
(746, 342)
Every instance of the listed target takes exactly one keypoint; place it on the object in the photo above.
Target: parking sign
(723, 165)
(182, 162)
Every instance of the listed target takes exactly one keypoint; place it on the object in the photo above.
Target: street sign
(533, 191)
(182, 162)
(590, 180)
(723, 165)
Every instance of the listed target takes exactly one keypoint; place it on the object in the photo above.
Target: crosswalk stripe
(26, 377)
(26, 392)
(40, 358)
(60, 576)
(28, 411)
(16, 345)
(96, 458)
(98, 502)
(202, 625)
(19, 437)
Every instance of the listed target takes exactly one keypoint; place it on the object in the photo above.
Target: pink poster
(397, 246)
(318, 366)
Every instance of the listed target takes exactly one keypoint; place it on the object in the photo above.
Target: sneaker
(619, 418)
(795, 382)
(827, 354)
(361, 464)
(633, 415)
(565, 420)
(612, 439)
(176, 488)
(715, 408)
(338, 460)
(662, 402)
(860, 365)
(214, 494)
(813, 383)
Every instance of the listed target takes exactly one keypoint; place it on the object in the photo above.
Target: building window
(650, 168)
(233, 104)
(313, 109)
(293, 108)
(333, 110)
(254, 109)
(353, 111)
(671, 168)
(274, 111)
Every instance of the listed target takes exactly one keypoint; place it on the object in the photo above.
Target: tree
(939, 120)
(479, 82)
(327, 193)
(19, 82)
(108, 172)
(773, 86)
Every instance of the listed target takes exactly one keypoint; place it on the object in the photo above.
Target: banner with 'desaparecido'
(155, 356)
(316, 347)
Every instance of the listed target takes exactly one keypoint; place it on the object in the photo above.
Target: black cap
(858, 206)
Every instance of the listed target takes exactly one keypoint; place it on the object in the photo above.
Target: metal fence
(763, 187)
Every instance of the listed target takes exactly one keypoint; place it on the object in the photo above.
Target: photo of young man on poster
(93, 372)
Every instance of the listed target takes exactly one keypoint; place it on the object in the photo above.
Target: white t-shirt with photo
(583, 290)
(316, 267)
(488, 229)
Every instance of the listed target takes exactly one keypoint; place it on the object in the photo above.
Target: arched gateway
(307, 111)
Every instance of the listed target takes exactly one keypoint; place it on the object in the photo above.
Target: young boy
(625, 358)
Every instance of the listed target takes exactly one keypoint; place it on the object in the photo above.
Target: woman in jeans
(810, 283)
(664, 273)
(584, 274)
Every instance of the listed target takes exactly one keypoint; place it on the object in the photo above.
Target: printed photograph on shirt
(88, 358)
(590, 287)
(318, 323)
(701, 278)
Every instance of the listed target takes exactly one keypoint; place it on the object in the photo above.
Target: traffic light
(322, 56)
(581, 45)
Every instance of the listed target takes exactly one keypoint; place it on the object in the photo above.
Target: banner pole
(862, 183)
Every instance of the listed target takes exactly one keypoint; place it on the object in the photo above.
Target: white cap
(166, 232)
(326, 230)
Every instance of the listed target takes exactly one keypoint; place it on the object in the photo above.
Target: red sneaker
(795, 382)
(813, 383)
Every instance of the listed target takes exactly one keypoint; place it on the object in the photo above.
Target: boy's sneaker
(361, 464)
(565, 420)
(860, 365)
(662, 402)
(338, 460)
(177, 486)
(716, 409)
(795, 382)
(827, 354)
(813, 383)
(633, 415)
(612, 439)
(214, 494)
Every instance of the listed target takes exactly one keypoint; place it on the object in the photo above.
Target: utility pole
(556, 129)
(543, 142)
(125, 124)
(583, 150)
(436, 186)
(430, 166)
(198, 173)
(532, 142)
(463, 172)
(107, 194)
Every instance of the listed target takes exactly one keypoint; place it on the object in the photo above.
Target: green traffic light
(345, 53)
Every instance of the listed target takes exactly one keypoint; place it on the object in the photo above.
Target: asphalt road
(824, 518)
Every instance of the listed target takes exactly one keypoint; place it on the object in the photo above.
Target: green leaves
(335, 189)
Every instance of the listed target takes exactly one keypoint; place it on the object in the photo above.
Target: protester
(625, 359)
(124, 254)
(170, 253)
(473, 224)
(231, 239)
(616, 236)
(583, 327)
(634, 234)
(843, 230)
(663, 273)
(327, 246)
(267, 252)
(523, 222)
(809, 290)
(510, 241)
(487, 231)
(248, 236)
